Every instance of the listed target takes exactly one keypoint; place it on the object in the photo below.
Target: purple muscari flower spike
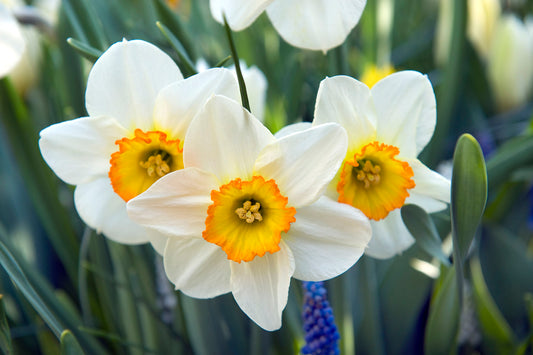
(321, 335)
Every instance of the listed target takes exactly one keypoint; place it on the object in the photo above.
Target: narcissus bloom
(310, 24)
(12, 42)
(246, 214)
(139, 110)
(388, 126)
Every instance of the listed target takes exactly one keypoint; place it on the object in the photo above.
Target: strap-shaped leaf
(423, 229)
(69, 344)
(443, 321)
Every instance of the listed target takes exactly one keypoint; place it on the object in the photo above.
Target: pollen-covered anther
(156, 164)
(249, 213)
(368, 173)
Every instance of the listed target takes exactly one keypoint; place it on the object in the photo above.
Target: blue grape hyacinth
(321, 335)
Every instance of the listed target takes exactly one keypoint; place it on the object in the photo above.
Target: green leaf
(498, 336)
(86, 22)
(175, 26)
(14, 271)
(69, 344)
(184, 61)
(514, 154)
(5, 334)
(443, 321)
(88, 52)
(423, 229)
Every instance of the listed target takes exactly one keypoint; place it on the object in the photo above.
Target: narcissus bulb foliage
(310, 24)
(388, 126)
(247, 213)
(139, 109)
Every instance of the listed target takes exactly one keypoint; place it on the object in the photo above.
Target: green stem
(242, 85)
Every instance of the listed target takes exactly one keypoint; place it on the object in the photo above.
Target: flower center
(246, 218)
(141, 160)
(157, 164)
(374, 181)
(250, 213)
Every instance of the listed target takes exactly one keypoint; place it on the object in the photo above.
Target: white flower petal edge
(327, 239)
(102, 209)
(175, 205)
(315, 24)
(261, 287)
(79, 150)
(303, 163)
(292, 128)
(406, 111)
(12, 42)
(196, 267)
(346, 101)
(225, 139)
(125, 80)
(432, 190)
(239, 13)
(177, 104)
(389, 237)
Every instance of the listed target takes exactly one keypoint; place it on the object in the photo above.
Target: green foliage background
(66, 289)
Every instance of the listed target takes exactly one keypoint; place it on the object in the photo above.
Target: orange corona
(246, 218)
(374, 181)
(141, 160)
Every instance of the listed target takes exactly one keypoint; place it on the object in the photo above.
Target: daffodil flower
(388, 126)
(247, 213)
(12, 42)
(139, 109)
(311, 24)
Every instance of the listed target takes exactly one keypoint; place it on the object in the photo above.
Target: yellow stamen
(250, 213)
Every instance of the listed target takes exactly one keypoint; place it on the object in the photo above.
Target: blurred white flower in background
(311, 24)
(510, 62)
(21, 27)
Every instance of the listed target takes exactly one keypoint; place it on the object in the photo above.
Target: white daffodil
(246, 214)
(12, 42)
(139, 110)
(388, 126)
(310, 24)
(510, 62)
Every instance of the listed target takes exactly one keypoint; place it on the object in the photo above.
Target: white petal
(432, 190)
(261, 286)
(406, 109)
(239, 13)
(225, 140)
(389, 237)
(180, 102)
(12, 42)
(315, 24)
(159, 242)
(102, 209)
(79, 151)
(292, 128)
(303, 163)
(327, 239)
(347, 101)
(176, 204)
(125, 80)
(197, 268)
